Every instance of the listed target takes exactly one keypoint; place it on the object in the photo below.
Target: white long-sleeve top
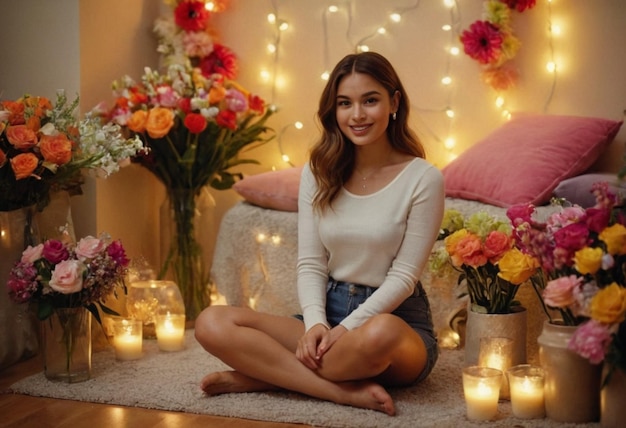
(381, 240)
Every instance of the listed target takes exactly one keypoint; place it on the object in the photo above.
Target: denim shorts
(344, 297)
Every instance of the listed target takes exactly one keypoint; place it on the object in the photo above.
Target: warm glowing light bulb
(209, 6)
(284, 25)
(506, 114)
(454, 50)
(446, 80)
(261, 237)
(448, 3)
(555, 29)
(298, 125)
(450, 113)
(333, 8)
(271, 18)
(499, 102)
(325, 75)
(551, 66)
(449, 143)
(266, 75)
(381, 30)
(395, 17)
(363, 48)
(276, 239)
(446, 27)
(285, 158)
(271, 48)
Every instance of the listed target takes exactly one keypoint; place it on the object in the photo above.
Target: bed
(530, 159)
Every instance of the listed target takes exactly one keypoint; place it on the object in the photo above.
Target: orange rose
(23, 165)
(21, 137)
(137, 122)
(160, 121)
(216, 94)
(16, 112)
(56, 149)
(3, 158)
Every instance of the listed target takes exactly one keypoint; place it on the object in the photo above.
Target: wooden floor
(24, 411)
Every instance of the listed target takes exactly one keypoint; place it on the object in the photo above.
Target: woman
(370, 208)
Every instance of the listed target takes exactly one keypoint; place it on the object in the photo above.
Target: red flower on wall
(191, 15)
(221, 61)
(482, 42)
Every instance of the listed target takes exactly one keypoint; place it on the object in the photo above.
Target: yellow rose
(608, 306)
(588, 260)
(615, 239)
(516, 267)
(137, 121)
(160, 121)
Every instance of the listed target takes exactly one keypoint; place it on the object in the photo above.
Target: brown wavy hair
(332, 157)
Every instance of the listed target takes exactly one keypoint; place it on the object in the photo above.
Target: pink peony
(89, 247)
(67, 277)
(591, 340)
(559, 293)
(31, 254)
(482, 42)
(54, 251)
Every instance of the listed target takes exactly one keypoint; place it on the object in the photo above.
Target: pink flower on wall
(482, 42)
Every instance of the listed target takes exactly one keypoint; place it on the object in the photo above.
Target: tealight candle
(527, 392)
(127, 339)
(170, 332)
(497, 353)
(481, 388)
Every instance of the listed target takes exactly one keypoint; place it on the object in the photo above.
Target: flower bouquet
(582, 280)
(491, 268)
(44, 148)
(63, 280)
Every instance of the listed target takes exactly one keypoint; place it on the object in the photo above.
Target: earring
(393, 116)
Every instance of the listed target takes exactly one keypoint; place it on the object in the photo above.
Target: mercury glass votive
(170, 332)
(481, 388)
(497, 353)
(127, 338)
(147, 299)
(527, 391)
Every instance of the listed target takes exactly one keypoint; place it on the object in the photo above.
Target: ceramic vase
(613, 398)
(572, 383)
(512, 326)
(66, 345)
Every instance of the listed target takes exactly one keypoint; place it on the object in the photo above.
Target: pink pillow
(277, 190)
(526, 158)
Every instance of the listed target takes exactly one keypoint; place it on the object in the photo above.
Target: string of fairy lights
(279, 25)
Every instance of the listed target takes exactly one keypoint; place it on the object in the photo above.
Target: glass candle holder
(481, 388)
(170, 332)
(527, 391)
(127, 338)
(497, 353)
(147, 299)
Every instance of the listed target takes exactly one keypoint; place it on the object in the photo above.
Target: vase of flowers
(67, 283)
(582, 253)
(480, 248)
(193, 129)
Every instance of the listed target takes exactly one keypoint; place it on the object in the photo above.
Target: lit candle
(170, 331)
(481, 387)
(127, 339)
(497, 353)
(527, 392)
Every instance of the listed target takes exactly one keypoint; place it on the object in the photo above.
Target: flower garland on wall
(491, 42)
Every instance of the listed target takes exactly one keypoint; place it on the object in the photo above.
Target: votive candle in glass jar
(170, 332)
(497, 353)
(527, 391)
(481, 388)
(127, 338)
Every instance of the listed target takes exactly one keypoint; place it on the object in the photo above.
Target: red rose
(227, 119)
(195, 123)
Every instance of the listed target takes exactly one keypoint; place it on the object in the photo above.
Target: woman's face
(363, 109)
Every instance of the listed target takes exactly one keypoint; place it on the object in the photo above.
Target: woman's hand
(315, 343)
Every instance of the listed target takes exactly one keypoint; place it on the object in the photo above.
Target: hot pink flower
(22, 282)
(116, 251)
(572, 237)
(591, 341)
(482, 42)
(236, 101)
(55, 251)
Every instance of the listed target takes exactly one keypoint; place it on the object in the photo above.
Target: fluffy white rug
(169, 381)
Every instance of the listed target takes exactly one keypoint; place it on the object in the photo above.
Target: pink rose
(559, 293)
(89, 247)
(54, 251)
(591, 341)
(32, 254)
(67, 277)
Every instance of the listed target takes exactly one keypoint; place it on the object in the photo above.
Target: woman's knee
(210, 323)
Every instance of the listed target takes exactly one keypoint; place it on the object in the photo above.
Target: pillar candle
(170, 331)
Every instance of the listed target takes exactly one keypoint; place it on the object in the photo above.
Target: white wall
(82, 45)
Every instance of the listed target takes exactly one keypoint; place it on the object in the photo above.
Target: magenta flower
(482, 42)
(22, 282)
(55, 251)
(116, 251)
(591, 341)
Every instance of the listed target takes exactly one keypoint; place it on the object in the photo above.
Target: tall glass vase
(187, 228)
(66, 345)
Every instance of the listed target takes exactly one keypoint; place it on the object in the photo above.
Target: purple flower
(54, 251)
(117, 253)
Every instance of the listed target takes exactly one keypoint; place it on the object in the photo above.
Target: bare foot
(232, 381)
(368, 395)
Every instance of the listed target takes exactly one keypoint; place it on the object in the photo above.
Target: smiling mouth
(359, 128)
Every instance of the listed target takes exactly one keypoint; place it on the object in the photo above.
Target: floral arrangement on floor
(491, 42)
(43, 148)
(481, 249)
(582, 280)
(56, 274)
